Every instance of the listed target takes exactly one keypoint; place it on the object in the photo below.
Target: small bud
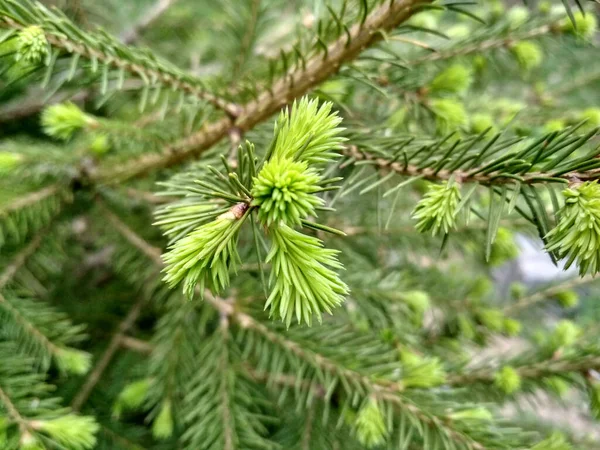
(492, 319)
(162, 428)
(480, 288)
(508, 379)
(517, 16)
(425, 19)
(100, 144)
(32, 45)
(455, 79)
(418, 301)
(437, 210)
(517, 290)
(528, 55)
(481, 122)
(284, 191)
(554, 125)
(504, 248)
(370, 425)
(586, 25)
(458, 31)
(421, 372)
(449, 114)
(577, 234)
(73, 361)
(567, 299)
(512, 327)
(9, 161)
(70, 431)
(479, 63)
(591, 116)
(132, 396)
(63, 120)
(565, 334)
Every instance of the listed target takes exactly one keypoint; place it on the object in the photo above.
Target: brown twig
(29, 199)
(544, 294)
(113, 346)
(297, 82)
(20, 259)
(533, 371)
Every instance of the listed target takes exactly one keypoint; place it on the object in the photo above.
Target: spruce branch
(384, 390)
(29, 199)
(64, 36)
(535, 371)
(20, 259)
(550, 292)
(297, 82)
(474, 175)
(14, 414)
(484, 45)
(102, 364)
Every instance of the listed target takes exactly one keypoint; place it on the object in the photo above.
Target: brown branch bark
(20, 259)
(29, 199)
(297, 82)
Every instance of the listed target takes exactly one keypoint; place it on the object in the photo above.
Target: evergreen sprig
(577, 234)
(303, 284)
(207, 254)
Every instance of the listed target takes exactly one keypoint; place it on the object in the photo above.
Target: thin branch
(482, 46)
(13, 412)
(29, 199)
(113, 346)
(533, 371)
(165, 77)
(544, 294)
(152, 15)
(20, 259)
(30, 327)
(136, 345)
(297, 82)
(150, 251)
(432, 174)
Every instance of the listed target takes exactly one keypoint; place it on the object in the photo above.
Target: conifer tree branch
(547, 293)
(466, 176)
(167, 77)
(20, 259)
(13, 412)
(29, 199)
(480, 47)
(28, 326)
(534, 371)
(382, 389)
(297, 82)
(114, 345)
